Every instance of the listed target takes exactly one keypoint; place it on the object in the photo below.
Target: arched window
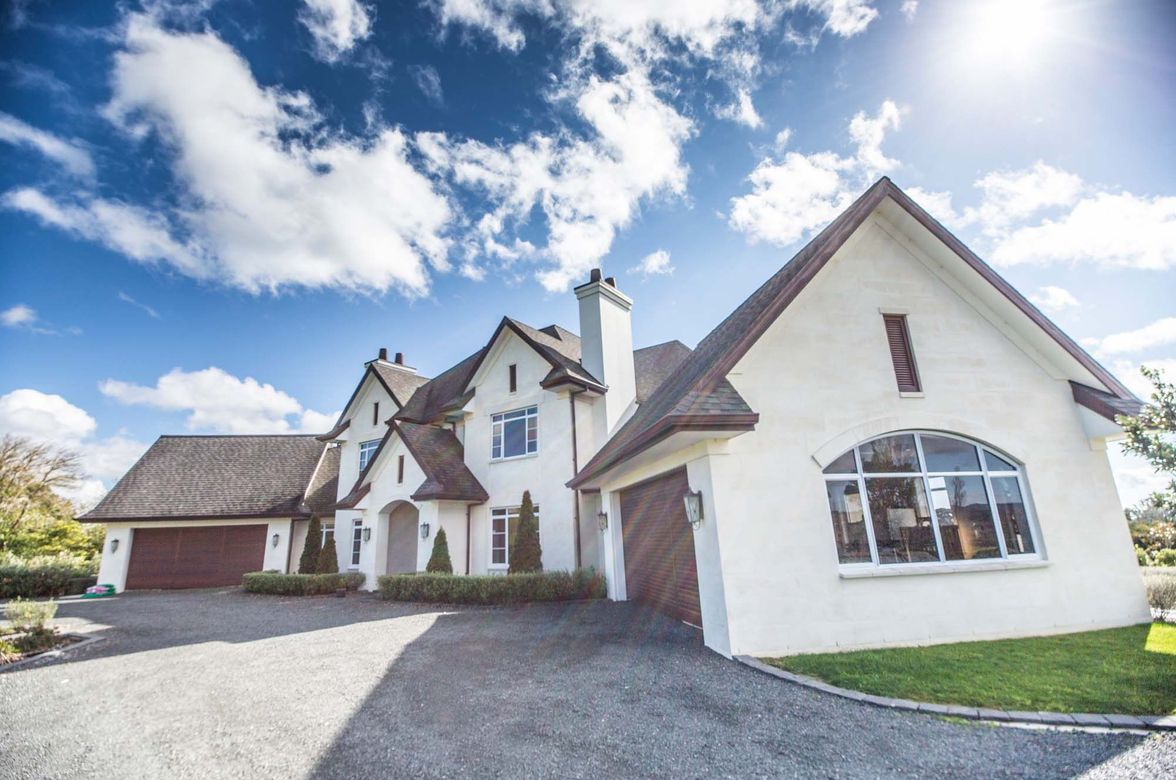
(917, 497)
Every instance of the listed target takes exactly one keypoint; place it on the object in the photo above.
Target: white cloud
(1011, 196)
(337, 25)
(846, 18)
(19, 316)
(799, 193)
(654, 264)
(150, 311)
(1157, 334)
(909, 8)
(428, 81)
(217, 401)
(1128, 372)
(741, 111)
(1053, 299)
(70, 156)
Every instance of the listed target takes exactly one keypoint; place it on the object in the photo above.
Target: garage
(660, 569)
(194, 556)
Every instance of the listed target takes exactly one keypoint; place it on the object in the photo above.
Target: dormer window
(366, 450)
(514, 434)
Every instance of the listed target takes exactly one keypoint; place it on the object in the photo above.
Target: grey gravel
(219, 683)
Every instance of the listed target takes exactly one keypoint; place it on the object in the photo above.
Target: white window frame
(498, 427)
(327, 532)
(511, 514)
(985, 473)
(356, 542)
(366, 450)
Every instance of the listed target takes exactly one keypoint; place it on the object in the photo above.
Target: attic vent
(902, 355)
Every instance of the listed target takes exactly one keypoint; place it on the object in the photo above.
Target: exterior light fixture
(114, 545)
(367, 534)
(424, 530)
(693, 502)
(602, 520)
(275, 539)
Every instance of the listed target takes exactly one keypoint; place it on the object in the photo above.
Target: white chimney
(606, 348)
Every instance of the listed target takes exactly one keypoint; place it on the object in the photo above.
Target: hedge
(44, 579)
(508, 589)
(300, 584)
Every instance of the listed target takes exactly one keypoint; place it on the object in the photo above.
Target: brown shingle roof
(323, 491)
(446, 391)
(400, 382)
(562, 351)
(214, 477)
(654, 365)
(442, 457)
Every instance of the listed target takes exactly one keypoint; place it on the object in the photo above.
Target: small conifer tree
(308, 563)
(525, 551)
(328, 560)
(439, 562)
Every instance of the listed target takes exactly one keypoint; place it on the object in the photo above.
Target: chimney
(383, 354)
(606, 348)
(399, 358)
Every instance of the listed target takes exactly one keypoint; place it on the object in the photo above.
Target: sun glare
(1004, 35)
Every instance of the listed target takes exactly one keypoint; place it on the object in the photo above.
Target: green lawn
(1123, 670)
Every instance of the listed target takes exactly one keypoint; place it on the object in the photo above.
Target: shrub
(8, 652)
(328, 560)
(439, 562)
(29, 615)
(65, 536)
(300, 584)
(1165, 557)
(1161, 589)
(308, 563)
(42, 576)
(526, 555)
(1154, 536)
(1142, 557)
(511, 589)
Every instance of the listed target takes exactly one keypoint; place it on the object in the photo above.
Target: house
(885, 444)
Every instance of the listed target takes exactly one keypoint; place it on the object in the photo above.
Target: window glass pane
(902, 522)
(514, 438)
(849, 521)
(944, 454)
(843, 465)
(997, 463)
(890, 454)
(498, 537)
(965, 517)
(1014, 520)
(532, 434)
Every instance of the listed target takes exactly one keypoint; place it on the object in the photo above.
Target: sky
(212, 213)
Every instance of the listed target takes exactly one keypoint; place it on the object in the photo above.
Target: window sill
(911, 394)
(514, 458)
(912, 569)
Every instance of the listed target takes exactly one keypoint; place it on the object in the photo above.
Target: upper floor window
(366, 450)
(514, 434)
(924, 497)
(902, 354)
(503, 525)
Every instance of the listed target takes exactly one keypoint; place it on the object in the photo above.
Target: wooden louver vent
(901, 353)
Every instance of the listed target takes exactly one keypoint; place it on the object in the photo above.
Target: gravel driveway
(224, 684)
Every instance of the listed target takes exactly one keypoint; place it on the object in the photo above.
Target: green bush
(439, 562)
(509, 589)
(1165, 557)
(308, 563)
(1142, 557)
(29, 615)
(66, 536)
(328, 560)
(8, 651)
(526, 555)
(300, 584)
(44, 575)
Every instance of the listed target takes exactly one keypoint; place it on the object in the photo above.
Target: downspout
(289, 546)
(575, 470)
(468, 538)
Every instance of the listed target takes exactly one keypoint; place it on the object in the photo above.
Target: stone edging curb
(58, 653)
(1149, 722)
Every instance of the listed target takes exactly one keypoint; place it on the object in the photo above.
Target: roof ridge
(237, 435)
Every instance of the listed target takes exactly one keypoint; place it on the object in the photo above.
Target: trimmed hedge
(508, 589)
(43, 580)
(300, 584)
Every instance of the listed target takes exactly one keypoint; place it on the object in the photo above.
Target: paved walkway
(218, 683)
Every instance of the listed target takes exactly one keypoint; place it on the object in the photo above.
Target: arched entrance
(401, 518)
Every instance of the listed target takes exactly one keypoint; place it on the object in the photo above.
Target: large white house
(885, 444)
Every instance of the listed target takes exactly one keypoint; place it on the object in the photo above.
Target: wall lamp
(424, 530)
(114, 545)
(602, 520)
(367, 534)
(275, 539)
(693, 502)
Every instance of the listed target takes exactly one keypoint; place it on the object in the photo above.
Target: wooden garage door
(659, 547)
(195, 557)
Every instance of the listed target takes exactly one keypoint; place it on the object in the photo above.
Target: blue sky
(212, 213)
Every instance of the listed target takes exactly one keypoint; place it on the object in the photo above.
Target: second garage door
(659, 547)
(194, 557)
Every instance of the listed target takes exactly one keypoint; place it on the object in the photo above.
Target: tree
(439, 562)
(31, 475)
(1151, 434)
(308, 563)
(328, 559)
(525, 552)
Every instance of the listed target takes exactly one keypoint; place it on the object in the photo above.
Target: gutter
(575, 470)
(468, 506)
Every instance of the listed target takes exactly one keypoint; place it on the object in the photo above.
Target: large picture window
(927, 498)
(366, 450)
(503, 524)
(514, 434)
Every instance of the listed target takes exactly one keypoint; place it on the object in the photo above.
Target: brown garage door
(659, 547)
(194, 557)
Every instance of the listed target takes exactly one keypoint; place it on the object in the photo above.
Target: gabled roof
(446, 391)
(399, 382)
(654, 365)
(214, 477)
(559, 347)
(323, 490)
(442, 457)
(703, 374)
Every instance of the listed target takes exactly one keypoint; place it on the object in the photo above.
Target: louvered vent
(901, 353)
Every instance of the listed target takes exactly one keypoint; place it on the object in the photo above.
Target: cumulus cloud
(654, 264)
(69, 155)
(741, 111)
(1159, 333)
(337, 25)
(798, 193)
(1053, 299)
(19, 316)
(219, 402)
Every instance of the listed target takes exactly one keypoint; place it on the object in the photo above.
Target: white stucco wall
(821, 380)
